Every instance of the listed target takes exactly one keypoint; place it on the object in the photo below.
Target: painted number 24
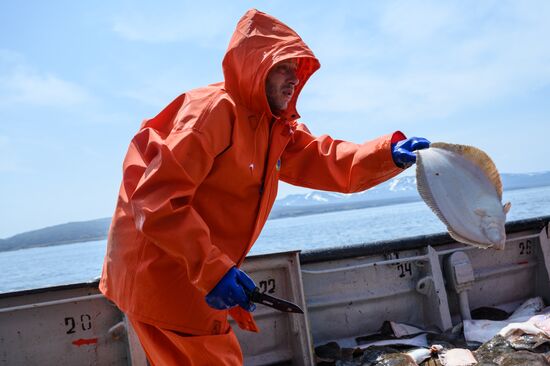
(404, 269)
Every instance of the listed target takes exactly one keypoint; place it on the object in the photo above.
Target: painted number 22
(267, 286)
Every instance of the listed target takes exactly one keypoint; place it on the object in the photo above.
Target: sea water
(81, 262)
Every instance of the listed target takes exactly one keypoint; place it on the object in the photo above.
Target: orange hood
(258, 43)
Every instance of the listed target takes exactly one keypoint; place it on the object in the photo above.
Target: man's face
(280, 85)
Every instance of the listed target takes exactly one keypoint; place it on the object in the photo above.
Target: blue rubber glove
(402, 151)
(230, 291)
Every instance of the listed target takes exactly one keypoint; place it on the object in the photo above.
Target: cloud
(165, 85)
(423, 60)
(27, 87)
(21, 84)
(411, 21)
(157, 91)
(200, 22)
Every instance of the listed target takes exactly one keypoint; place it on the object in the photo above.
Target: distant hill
(397, 190)
(400, 187)
(72, 232)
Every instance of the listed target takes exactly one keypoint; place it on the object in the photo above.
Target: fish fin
(477, 157)
(463, 240)
(507, 207)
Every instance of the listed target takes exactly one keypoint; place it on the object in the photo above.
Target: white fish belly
(458, 188)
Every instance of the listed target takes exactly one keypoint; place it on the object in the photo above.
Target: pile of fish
(462, 186)
(520, 338)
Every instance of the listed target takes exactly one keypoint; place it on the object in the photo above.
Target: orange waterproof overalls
(199, 181)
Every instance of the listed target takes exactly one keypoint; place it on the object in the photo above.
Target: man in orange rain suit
(199, 180)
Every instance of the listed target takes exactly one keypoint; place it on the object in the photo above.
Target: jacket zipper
(266, 184)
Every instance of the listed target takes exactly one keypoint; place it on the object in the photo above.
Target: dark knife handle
(274, 302)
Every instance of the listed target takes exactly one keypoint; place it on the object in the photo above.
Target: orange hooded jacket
(200, 178)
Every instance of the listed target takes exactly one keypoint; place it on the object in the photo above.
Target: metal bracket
(440, 307)
(136, 353)
(544, 240)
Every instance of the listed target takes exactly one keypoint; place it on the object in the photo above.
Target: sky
(78, 77)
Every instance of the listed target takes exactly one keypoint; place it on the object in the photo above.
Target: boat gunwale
(408, 243)
(334, 253)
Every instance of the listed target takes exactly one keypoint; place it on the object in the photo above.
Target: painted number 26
(525, 247)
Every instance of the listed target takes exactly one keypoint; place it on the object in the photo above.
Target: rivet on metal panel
(425, 285)
(420, 264)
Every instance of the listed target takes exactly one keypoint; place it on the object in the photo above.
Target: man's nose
(292, 78)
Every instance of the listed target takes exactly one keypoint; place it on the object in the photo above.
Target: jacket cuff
(244, 319)
(397, 136)
(215, 267)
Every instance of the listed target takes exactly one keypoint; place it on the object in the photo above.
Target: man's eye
(285, 68)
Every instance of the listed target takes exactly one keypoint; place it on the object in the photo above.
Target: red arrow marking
(82, 342)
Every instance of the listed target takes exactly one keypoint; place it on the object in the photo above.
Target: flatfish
(462, 186)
